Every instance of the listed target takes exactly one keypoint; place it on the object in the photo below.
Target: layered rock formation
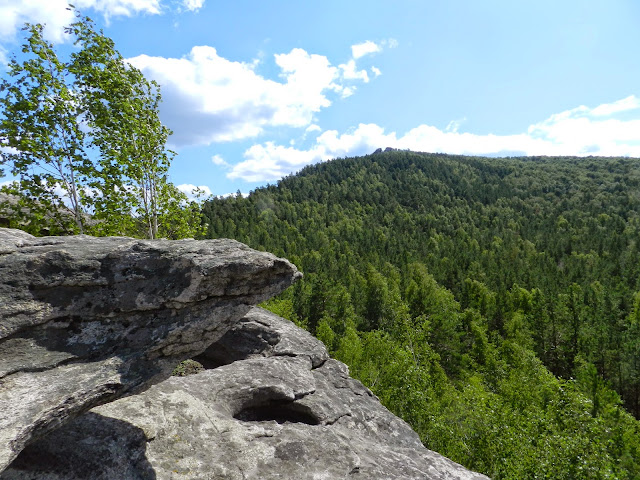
(280, 410)
(85, 321)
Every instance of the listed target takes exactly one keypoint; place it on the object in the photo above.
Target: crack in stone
(331, 422)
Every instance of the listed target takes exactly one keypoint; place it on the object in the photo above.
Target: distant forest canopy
(493, 303)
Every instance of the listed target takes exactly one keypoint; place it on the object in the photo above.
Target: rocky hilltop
(90, 329)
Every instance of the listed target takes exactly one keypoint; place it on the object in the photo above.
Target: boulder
(84, 320)
(275, 407)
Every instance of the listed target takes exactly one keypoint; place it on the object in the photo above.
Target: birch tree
(112, 144)
(44, 144)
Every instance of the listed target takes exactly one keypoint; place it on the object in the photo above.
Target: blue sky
(255, 90)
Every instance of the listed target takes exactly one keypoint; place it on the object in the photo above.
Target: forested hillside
(494, 304)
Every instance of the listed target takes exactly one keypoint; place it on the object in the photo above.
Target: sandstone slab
(86, 320)
(276, 408)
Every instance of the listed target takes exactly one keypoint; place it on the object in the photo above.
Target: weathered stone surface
(86, 320)
(263, 334)
(281, 410)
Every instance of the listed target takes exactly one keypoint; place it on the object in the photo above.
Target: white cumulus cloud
(208, 98)
(365, 48)
(351, 72)
(193, 5)
(580, 131)
(270, 161)
(191, 191)
(55, 13)
(594, 131)
(13, 14)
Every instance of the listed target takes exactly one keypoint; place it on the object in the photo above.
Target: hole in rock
(244, 341)
(281, 412)
(209, 361)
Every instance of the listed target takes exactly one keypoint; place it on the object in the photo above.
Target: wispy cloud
(625, 105)
(454, 125)
(218, 160)
(4, 58)
(390, 43)
(121, 8)
(360, 50)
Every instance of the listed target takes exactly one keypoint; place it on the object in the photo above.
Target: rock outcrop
(84, 321)
(8, 205)
(273, 406)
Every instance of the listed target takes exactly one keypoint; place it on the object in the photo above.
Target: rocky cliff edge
(100, 323)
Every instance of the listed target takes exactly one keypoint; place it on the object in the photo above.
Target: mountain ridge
(489, 273)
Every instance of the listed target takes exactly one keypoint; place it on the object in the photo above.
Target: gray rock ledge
(84, 321)
(276, 408)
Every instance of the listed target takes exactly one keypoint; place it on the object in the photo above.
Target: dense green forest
(494, 304)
